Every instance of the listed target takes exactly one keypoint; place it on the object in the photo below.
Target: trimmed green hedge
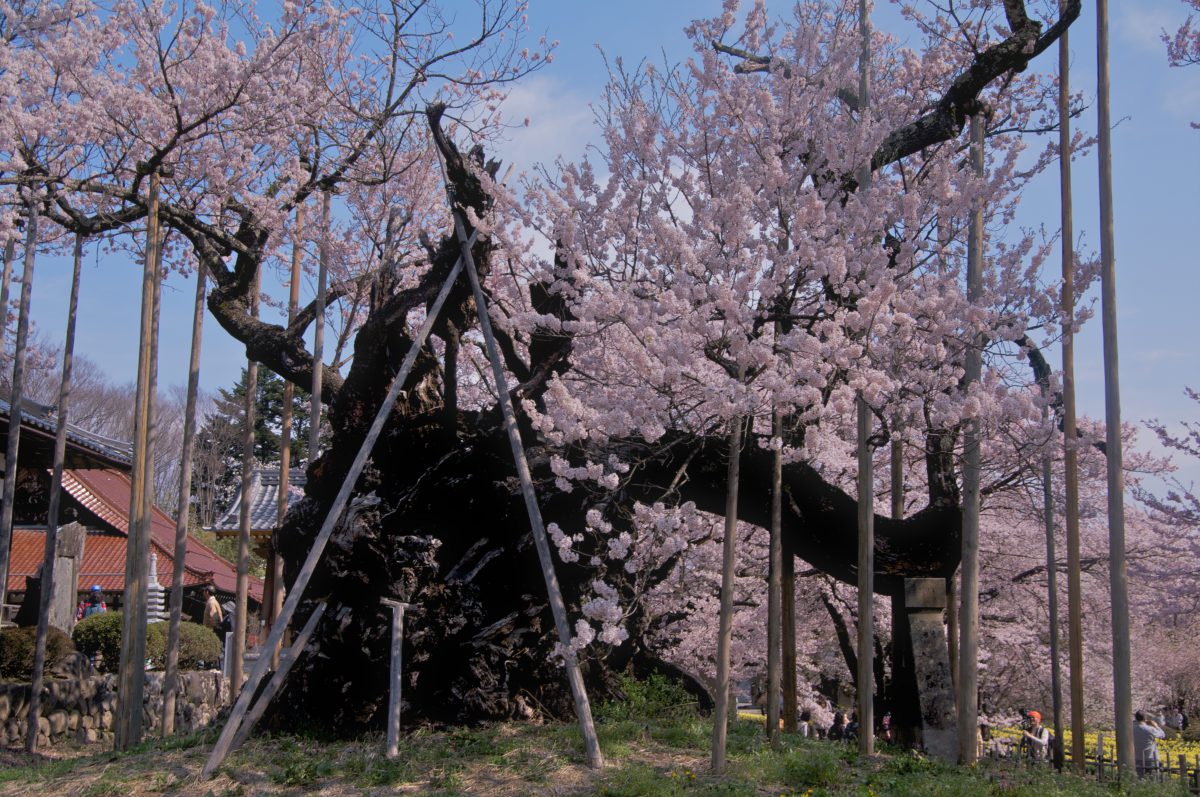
(16, 650)
(100, 635)
(199, 647)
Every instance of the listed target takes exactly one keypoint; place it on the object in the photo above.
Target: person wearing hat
(1036, 736)
(212, 610)
(92, 604)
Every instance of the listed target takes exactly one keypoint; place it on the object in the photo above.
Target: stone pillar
(68, 558)
(924, 602)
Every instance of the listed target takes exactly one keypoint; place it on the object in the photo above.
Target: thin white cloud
(1142, 26)
(560, 123)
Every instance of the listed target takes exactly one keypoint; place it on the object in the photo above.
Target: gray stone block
(924, 593)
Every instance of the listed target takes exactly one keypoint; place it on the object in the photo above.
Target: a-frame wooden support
(243, 716)
(246, 695)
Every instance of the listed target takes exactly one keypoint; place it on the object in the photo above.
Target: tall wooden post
(901, 721)
(775, 584)
(791, 705)
(274, 600)
(968, 652)
(171, 677)
(1118, 574)
(49, 554)
(866, 583)
(866, 472)
(314, 421)
(131, 676)
(1070, 433)
(14, 402)
(1052, 606)
(10, 254)
(725, 624)
(242, 589)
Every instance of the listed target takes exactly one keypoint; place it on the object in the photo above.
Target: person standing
(212, 610)
(1146, 733)
(92, 604)
(1036, 737)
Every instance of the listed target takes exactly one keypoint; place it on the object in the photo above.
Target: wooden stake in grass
(49, 552)
(171, 677)
(131, 673)
(725, 624)
(968, 624)
(14, 402)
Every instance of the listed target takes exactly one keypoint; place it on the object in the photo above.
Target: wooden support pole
(10, 254)
(14, 402)
(1070, 435)
(1117, 568)
(50, 551)
(558, 607)
(1118, 576)
(791, 707)
(968, 624)
(274, 601)
(279, 677)
(865, 677)
(314, 419)
(1052, 607)
(242, 589)
(171, 677)
(394, 676)
(775, 584)
(725, 622)
(225, 740)
(131, 674)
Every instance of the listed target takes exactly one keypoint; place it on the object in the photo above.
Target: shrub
(199, 647)
(101, 634)
(99, 638)
(657, 697)
(16, 650)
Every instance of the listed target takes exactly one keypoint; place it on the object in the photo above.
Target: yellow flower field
(1169, 749)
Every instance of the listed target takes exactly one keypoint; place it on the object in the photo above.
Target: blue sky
(1156, 174)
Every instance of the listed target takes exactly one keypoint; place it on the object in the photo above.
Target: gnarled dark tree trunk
(439, 521)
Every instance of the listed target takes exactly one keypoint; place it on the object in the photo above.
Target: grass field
(655, 748)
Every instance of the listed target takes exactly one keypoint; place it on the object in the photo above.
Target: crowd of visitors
(1036, 742)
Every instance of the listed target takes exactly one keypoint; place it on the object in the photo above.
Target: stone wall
(81, 707)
